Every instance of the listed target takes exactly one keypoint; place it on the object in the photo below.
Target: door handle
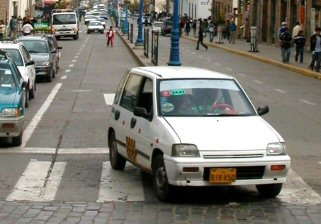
(117, 114)
(133, 122)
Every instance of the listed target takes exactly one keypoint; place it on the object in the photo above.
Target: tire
(88, 32)
(17, 141)
(117, 162)
(161, 186)
(27, 98)
(76, 37)
(49, 76)
(269, 190)
(32, 93)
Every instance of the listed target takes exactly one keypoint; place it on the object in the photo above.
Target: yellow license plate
(222, 175)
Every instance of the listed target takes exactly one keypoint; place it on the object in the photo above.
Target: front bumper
(11, 127)
(65, 33)
(95, 30)
(249, 171)
(43, 70)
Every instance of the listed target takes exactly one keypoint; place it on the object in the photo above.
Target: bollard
(219, 35)
(253, 40)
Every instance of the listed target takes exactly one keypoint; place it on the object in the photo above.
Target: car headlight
(277, 148)
(11, 112)
(185, 150)
(45, 63)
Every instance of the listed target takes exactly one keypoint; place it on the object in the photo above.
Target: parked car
(45, 57)
(167, 27)
(54, 46)
(25, 64)
(194, 127)
(157, 26)
(95, 27)
(12, 101)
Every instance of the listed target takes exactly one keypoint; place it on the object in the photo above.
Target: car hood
(96, 27)
(224, 133)
(8, 97)
(39, 57)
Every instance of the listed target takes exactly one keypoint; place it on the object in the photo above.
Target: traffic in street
(61, 172)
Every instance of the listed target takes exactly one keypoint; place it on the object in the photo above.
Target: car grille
(242, 173)
(235, 156)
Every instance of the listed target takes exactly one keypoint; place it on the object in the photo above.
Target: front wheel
(50, 75)
(17, 141)
(117, 162)
(76, 37)
(32, 92)
(161, 186)
(269, 190)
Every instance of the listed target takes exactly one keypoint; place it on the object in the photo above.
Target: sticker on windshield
(167, 107)
(178, 92)
(166, 93)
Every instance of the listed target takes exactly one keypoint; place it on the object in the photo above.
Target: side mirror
(263, 110)
(142, 112)
(59, 47)
(32, 62)
(53, 51)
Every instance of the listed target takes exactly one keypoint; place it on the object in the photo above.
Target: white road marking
(50, 151)
(228, 69)
(296, 191)
(64, 77)
(193, 52)
(208, 59)
(218, 64)
(280, 90)
(307, 102)
(68, 70)
(120, 186)
(109, 98)
(38, 116)
(71, 65)
(258, 82)
(78, 53)
(31, 185)
(76, 56)
(74, 60)
(81, 90)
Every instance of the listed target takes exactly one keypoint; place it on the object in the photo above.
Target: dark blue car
(12, 101)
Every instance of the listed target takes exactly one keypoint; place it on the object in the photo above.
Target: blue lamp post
(140, 38)
(174, 53)
(126, 17)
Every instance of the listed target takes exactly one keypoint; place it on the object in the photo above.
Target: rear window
(6, 77)
(16, 56)
(35, 46)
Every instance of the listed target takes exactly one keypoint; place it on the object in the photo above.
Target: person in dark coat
(286, 42)
(299, 41)
(200, 37)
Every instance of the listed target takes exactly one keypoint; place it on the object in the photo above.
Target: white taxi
(194, 127)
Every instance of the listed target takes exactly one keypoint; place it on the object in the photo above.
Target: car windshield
(60, 19)
(16, 56)
(6, 77)
(203, 97)
(36, 46)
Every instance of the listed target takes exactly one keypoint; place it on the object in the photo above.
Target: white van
(65, 23)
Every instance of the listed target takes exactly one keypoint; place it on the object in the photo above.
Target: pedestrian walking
(2, 29)
(27, 29)
(194, 27)
(286, 42)
(315, 47)
(211, 31)
(110, 37)
(13, 27)
(200, 37)
(296, 29)
(232, 29)
(299, 41)
(187, 27)
(282, 29)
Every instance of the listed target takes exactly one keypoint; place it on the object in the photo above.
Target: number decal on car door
(131, 148)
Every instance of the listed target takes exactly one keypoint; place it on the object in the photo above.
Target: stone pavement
(268, 53)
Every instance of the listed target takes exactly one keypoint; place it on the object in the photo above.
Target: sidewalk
(267, 54)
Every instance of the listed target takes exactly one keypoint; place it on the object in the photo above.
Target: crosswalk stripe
(38, 182)
(120, 186)
(39, 150)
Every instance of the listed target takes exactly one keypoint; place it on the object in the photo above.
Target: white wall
(196, 8)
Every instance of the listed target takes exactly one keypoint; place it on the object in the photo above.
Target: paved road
(62, 173)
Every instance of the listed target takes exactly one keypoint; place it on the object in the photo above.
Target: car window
(145, 97)
(203, 97)
(6, 77)
(120, 89)
(132, 87)
(94, 23)
(25, 54)
(36, 46)
(16, 56)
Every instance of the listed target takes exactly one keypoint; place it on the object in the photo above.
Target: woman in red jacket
(110, 36)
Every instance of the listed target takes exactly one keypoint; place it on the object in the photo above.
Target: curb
(301, 71)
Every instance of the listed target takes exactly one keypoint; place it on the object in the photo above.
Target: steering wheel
(224, 108)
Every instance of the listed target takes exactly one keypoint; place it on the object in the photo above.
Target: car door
(143, 130)
(125, 119)
(30, 67)
(53, 55)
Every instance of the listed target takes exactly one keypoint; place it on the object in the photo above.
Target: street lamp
(140, 39)
(126, 18)
(174, 53)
